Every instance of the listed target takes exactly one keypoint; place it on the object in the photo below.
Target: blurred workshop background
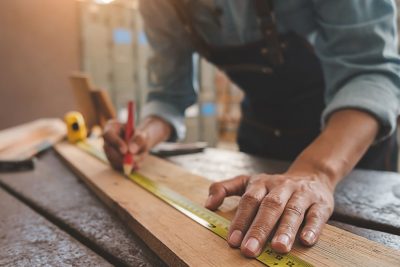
(44, 42)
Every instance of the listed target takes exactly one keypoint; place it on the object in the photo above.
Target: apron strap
(266, 18)
(198, 41)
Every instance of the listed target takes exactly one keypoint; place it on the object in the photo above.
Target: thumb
(220, 190)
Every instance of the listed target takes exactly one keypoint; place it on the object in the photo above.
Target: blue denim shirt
(356, 41)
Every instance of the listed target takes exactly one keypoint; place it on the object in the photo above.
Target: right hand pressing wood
(149, 133)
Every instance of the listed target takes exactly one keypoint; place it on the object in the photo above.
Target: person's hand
(275, 202)
(115, 146)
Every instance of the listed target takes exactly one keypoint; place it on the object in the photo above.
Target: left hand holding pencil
(116, 147)
(150, 132)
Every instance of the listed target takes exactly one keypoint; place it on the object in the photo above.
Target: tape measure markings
(210, 220)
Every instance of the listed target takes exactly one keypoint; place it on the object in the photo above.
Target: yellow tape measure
(76, 127)
(210, 220)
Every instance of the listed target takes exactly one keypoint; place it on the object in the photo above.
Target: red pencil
(129, 131)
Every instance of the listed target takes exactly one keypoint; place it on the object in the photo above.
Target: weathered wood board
(28, 239)
(24, 141)
(180, 241)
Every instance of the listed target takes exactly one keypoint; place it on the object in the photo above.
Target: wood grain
(180, 241)
(22, 142)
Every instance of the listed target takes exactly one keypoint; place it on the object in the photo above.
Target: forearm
(339, 147)
(155, 129)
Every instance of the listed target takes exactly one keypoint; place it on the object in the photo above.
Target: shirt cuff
(374, 94)
(170, 114)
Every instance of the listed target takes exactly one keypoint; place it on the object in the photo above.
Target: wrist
(316, 169)
(335, 152)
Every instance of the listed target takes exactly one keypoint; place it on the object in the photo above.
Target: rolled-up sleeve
(357, 45)
(170, 68)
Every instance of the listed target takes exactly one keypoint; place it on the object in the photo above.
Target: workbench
(49, 217)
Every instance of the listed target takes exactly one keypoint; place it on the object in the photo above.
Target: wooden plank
(104, 106)
(55, 191)
(180, 241)
(82, 87)
(24, 141)
(28, 239)
(94, 104)
(389, 240)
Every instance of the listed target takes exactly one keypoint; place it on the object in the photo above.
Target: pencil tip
(127, 169)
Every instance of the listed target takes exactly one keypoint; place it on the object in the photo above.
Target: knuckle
(316, 216)
(249, 199)
(254, 180)
(243, 179)
(216, 187)
(139, 137)
(282, 178)
(287, 228)
(278, 181)
(143, 135)
(258, 178)
(111, 124)
(272, 202)
(304, 187)
(294, 209)
(287, 183)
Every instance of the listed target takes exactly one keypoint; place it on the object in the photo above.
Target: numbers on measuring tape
(278, 257)
(268, 251)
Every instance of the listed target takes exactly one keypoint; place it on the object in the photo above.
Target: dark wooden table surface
(48, 217)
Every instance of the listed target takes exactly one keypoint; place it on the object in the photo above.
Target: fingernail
(123, 149)
(253, 245)
(283, 239)
(309, 237)
(236, 238)
(209, 201)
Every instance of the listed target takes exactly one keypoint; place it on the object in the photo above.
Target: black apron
(284, 90)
